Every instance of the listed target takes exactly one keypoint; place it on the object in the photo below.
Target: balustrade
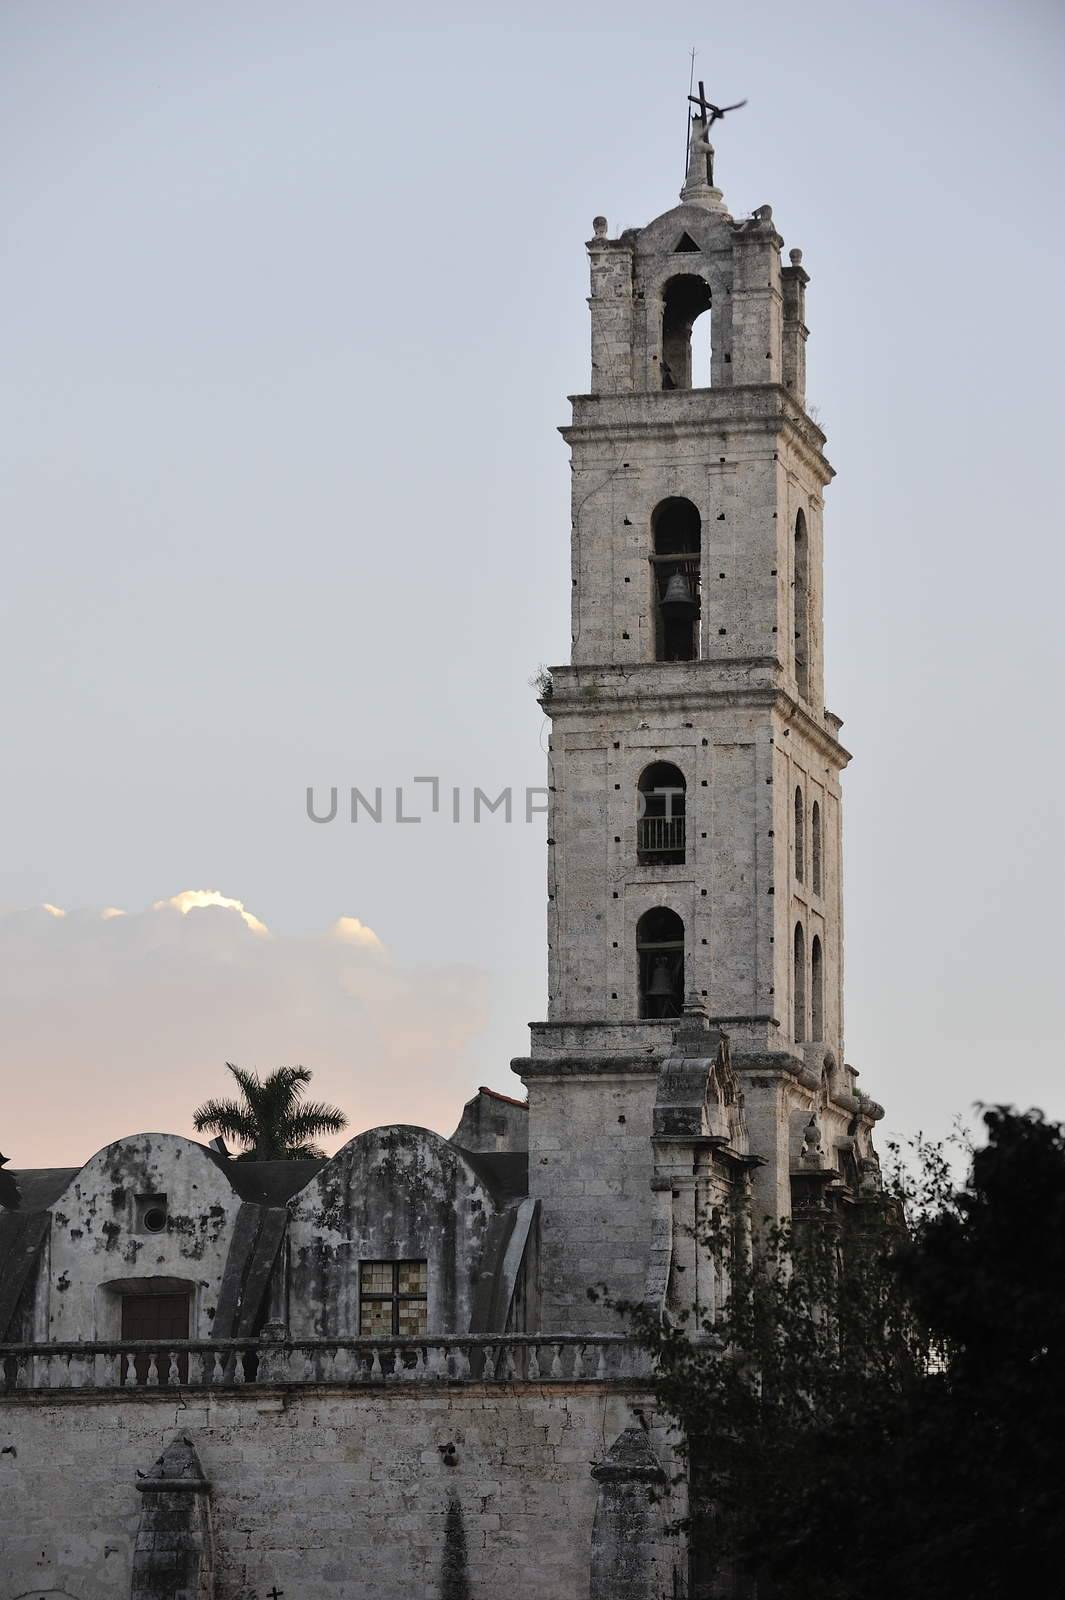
(273, 1360)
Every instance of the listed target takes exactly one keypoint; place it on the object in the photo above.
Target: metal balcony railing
(657, 836)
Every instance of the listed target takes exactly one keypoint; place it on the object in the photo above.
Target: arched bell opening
(660, 815)
(685, 299)
(801, 607)
(660, 959)
(799, 985)
(817, 989)
(676, 532)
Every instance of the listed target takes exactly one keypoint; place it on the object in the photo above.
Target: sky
(294, 296)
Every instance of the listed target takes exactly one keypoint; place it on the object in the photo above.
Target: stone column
(628, 1530)
(173, 1558)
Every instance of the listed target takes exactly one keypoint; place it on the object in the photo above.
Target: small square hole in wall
(150, 1213)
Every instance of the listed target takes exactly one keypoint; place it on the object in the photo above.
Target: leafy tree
(271, 1119)
(878, 1411)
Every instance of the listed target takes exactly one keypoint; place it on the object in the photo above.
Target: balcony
(268, 1362)
(660, 839)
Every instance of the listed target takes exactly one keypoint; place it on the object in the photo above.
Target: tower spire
(699, 187)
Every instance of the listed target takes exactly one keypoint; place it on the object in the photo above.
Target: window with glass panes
(393, 1298)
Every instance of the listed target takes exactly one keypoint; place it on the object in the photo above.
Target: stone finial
(630, 1459)
(813, 1155)
(177, 1468)
(599, 227)
(795, 257)
(699, 187)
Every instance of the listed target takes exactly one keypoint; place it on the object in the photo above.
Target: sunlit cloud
(352, 931)
(53, 911)
(200, 899)
(118, 1024)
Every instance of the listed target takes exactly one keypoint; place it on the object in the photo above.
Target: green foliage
(877, 1410)
(271, 1120)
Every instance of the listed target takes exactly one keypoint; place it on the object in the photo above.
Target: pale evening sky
(294, 295)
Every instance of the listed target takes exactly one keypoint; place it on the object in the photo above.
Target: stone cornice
(616, 690)
(759, 408)
(593, 1065)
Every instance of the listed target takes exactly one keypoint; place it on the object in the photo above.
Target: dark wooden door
(157, 1317)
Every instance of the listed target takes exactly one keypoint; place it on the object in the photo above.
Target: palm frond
(269, 1118)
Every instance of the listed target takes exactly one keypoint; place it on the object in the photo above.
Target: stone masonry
(390, 1373)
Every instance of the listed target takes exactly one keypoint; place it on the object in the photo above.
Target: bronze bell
(661, 984)
(678, 599)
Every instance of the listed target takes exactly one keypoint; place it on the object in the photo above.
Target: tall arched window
(660, 963)
(660, 814)
(801, 607)
(815, 849)
(800, 836)
(684, 300)
(676, 532)
(799, 985)
(817, 989)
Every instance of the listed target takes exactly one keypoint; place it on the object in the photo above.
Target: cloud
(199, 899)
(121, 1022)
(353, 931)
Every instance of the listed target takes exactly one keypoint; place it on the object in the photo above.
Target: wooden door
(157, 1317)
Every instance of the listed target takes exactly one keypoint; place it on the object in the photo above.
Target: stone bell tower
(694, 832)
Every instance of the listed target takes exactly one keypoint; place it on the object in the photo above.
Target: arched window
(800, 836)
(801, 607)
(817, 989)
(684, 300)
(676, 533)
(660, 814)
(799, 985)
(815, 848)
(660, 961)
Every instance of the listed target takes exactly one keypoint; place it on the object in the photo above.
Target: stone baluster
(556, 1362)
(173, 1373)
(131, 1372)
(461, 1363)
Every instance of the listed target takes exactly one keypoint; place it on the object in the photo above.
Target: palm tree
(271, 1120)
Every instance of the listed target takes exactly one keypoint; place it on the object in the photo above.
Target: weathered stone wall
(99, 1244)
(396, 1193)
(590, 1166)
(327, 1494)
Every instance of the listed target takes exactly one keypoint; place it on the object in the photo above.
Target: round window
(155, 1219)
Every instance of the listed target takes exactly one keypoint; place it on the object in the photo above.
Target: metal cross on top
(708, 111)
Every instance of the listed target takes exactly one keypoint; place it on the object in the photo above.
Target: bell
(678, 599)
(661, 984)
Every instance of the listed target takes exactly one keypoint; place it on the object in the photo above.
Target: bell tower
(695, 809)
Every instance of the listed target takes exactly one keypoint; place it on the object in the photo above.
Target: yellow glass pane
(375, 1320)
(376, 1277)
(413, 1318)
(413, 1277)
